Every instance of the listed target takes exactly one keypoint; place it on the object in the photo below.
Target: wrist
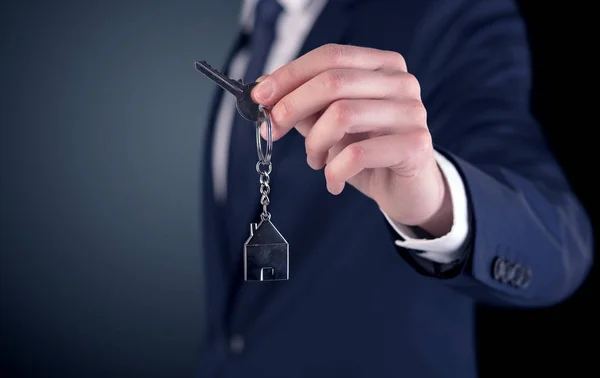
(440, 223)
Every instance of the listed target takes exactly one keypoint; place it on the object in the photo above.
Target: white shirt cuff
(446, 248)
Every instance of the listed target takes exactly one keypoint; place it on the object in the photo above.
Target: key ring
(264, 158)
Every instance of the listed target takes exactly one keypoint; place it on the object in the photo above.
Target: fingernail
(263, 90)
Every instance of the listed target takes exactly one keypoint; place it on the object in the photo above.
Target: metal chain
(265, 188)
(264, 166)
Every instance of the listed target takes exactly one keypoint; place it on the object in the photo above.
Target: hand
(362, 117)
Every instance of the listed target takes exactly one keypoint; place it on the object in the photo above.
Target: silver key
(245, 106)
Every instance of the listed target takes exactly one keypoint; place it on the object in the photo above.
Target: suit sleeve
(530, 241)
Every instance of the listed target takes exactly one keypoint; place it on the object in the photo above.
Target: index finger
(292, 75)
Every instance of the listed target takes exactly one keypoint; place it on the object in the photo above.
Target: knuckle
(411, 84)
(333, 52)
(357, 153)
(421, 140)
(420, 148)
(340, 112)
(333, 80)
(417, 112)
(398, 60)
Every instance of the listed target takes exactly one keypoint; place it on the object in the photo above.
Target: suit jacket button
(236, 344)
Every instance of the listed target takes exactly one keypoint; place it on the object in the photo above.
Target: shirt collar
(294, 6)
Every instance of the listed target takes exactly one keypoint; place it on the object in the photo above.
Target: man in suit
(409, 178)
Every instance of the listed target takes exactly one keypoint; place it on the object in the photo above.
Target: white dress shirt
(293, 26)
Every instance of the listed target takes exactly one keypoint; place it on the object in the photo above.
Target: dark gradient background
(102, 117)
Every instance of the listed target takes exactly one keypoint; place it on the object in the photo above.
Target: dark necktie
(242, 151)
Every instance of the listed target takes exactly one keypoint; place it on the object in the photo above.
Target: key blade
(231, 86)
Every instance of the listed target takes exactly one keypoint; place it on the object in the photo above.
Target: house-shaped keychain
(266, 253)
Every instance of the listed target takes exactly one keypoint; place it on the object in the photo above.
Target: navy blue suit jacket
(358, 306)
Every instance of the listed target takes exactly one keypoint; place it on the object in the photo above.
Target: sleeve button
(500, 270)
